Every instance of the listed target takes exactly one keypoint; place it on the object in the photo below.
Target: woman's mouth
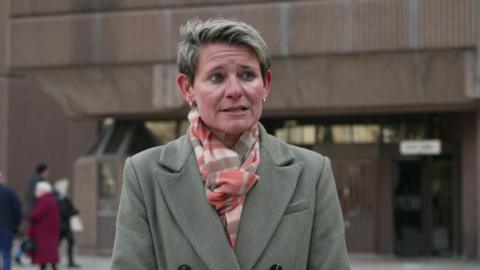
(235, 109)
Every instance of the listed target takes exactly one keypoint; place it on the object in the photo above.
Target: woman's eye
(248, 76)
(216, 78)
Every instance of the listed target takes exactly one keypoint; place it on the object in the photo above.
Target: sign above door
(421, 147)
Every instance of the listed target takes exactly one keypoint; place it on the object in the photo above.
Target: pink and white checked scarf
(228, 173)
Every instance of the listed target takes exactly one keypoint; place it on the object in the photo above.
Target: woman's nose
(234, 88)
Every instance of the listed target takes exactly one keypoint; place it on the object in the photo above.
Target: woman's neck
(229, 140)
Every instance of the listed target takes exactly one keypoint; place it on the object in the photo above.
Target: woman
(67, 211)
(45, 225)
(227, 195)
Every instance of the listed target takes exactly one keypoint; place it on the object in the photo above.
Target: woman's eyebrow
(215, 68)
(246, 67)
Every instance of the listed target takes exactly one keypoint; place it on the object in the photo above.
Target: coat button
(276, 267)
(184, 267)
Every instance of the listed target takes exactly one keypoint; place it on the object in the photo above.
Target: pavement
(359, 262)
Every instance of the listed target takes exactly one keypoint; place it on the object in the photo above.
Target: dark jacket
(30, 196)
(67, 210)
(45, 221)
(10, 208)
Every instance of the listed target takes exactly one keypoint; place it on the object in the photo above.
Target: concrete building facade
(354, 79)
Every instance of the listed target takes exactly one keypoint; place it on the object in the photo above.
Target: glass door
(442, 194)
(423, 203)
(409, 208)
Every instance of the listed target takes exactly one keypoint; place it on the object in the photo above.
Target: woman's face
(39, 193)
(228, 88)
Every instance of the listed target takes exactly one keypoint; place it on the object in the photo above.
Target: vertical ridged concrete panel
(477, 58)
(265, 18)
(319, 27)
(39, 7)
(4, 11)
(445, 23)
(89, 39)
(290, 28)
(478, 182)
(3, 124)
(379, 24)
(4, 36)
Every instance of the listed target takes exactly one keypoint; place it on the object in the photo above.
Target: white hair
(43, 186)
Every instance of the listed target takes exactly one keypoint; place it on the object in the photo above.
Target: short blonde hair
(61, 186)
(196, 33)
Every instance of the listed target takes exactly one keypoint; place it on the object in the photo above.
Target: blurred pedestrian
(67, 211)
(45, 226)
(41, 173)
(10, 216)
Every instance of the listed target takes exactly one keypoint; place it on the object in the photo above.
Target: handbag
(28, 245)
(76, 224)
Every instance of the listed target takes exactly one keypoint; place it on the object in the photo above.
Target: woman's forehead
(218, 54)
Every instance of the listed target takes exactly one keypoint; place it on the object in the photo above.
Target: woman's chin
(233, 128)
(230, 130)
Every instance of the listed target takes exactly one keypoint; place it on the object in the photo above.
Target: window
(357, 133)
(166, 131)
(394, 133)
(310, 134)
(294, 133)
(107, 182)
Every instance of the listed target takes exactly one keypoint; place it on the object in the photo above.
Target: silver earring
(264, 99)
(190, 103)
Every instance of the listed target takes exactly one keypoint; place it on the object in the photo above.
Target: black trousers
(70, 244)
(44, 266)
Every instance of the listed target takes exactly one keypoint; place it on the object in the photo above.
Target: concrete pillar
(469, 173)
(4, 13)
(476, 127)
(477, 168)
(3, 124)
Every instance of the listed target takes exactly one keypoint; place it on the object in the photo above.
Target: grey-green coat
(291, 216)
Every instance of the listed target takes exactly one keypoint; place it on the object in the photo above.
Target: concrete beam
(477, 167)
(298, 28)
(33, 7)
(99, 91)
(305, 85)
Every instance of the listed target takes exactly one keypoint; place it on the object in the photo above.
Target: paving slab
(377, 262)
(359, 262)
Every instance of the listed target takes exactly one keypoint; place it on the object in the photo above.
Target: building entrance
(423, 205)
(355, 167)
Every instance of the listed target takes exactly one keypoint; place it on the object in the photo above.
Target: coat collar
(267, 200)
(181, 149)
(265, 203)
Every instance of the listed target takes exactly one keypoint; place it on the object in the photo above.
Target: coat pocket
(297, 207)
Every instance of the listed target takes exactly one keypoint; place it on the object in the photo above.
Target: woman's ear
(266, 84)
(185, 88)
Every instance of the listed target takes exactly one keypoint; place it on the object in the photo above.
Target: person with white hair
(41, 173)
(45, 226)
(10, 216)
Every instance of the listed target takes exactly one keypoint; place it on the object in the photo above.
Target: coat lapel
(267, 200)
(184, 193)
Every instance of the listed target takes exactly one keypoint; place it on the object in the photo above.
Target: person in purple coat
(45, 226)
